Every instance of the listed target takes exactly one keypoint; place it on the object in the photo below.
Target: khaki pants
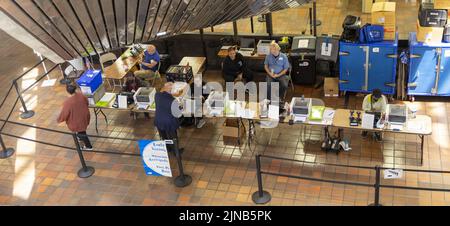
(145, 74)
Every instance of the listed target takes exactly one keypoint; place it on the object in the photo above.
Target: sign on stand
(155, 158)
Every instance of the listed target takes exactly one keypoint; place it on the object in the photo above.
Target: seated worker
(149, 64)
(277, 66)
(375, 102)
(132, 85)
(235, 68)
(165, 121)
(76, 114)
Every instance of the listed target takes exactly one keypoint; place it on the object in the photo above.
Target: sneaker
(345, 146)
(84, 148)
(201, 123)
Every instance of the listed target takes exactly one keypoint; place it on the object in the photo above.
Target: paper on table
(123, 102)
(274, 112)
(415, 127)
(300, 118)
(394, 126)
(367, 121)
(328, 114)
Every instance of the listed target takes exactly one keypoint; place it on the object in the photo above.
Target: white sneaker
(84, 148)
(345, 146)
(201, 123)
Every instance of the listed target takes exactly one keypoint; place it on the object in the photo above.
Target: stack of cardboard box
(384, 13)
(433, 34)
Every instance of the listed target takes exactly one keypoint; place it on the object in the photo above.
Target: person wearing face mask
(375, 103)
(277, 66)
(235, 68)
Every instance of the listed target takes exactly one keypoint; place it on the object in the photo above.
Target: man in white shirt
(375, 103)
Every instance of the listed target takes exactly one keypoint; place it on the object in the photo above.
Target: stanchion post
(5, 152)
(65, 80)
(377, 187)
(27, 113)
(261, 196)
(182, 180)
(85, 171)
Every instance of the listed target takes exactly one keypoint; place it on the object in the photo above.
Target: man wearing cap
(375, 103)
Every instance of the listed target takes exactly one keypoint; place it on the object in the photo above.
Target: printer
(300, 108)
(397, 113)
(144, 97)
(263, 47)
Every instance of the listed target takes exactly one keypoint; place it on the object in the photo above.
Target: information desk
(198, 64)
(124, 64)
(420, 126)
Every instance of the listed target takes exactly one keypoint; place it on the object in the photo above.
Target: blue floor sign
(155, 158)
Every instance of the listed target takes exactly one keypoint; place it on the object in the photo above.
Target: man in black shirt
(235, 68)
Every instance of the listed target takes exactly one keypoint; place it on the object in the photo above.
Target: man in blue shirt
(277, 66)
(149, 64)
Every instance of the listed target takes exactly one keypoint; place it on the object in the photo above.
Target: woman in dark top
(166, 121)
(235, 68)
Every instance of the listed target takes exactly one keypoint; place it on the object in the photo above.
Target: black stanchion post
(85, 171)
(261, 196)
(65, 80)
(27, 113)
(377, 186)
(5, 152)
(182, 180)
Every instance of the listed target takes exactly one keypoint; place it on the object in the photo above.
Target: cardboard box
(384, 13)
(331, 87)
(233, 132)
(367, 5)
(442, 4)
(429, 34)
(97, 96)
(90, 81)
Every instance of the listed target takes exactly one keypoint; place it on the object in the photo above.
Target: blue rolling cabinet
(365, 67)
(429, 68)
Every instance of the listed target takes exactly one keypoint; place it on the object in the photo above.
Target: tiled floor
(331, 13)
(222, 175)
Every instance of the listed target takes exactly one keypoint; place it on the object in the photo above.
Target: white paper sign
(327, 49)
(274, 112)
(123, 102)
(393, 174)
(303, 43)
(447, 53)
(376, 50)
(367, 121)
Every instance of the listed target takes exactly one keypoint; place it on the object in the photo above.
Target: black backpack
(351, 26)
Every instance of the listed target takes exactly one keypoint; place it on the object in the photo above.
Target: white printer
(144, 97)
(263, 47)
(300, 108)
(397, 116)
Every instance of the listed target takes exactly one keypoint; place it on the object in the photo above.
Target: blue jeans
(283, 82)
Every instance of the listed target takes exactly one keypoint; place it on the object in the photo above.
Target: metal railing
(263, 197)
(86, 171)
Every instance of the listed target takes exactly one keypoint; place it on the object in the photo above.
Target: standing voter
(167, 114)
(75, 113)
(375, 103)
(277, 66)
